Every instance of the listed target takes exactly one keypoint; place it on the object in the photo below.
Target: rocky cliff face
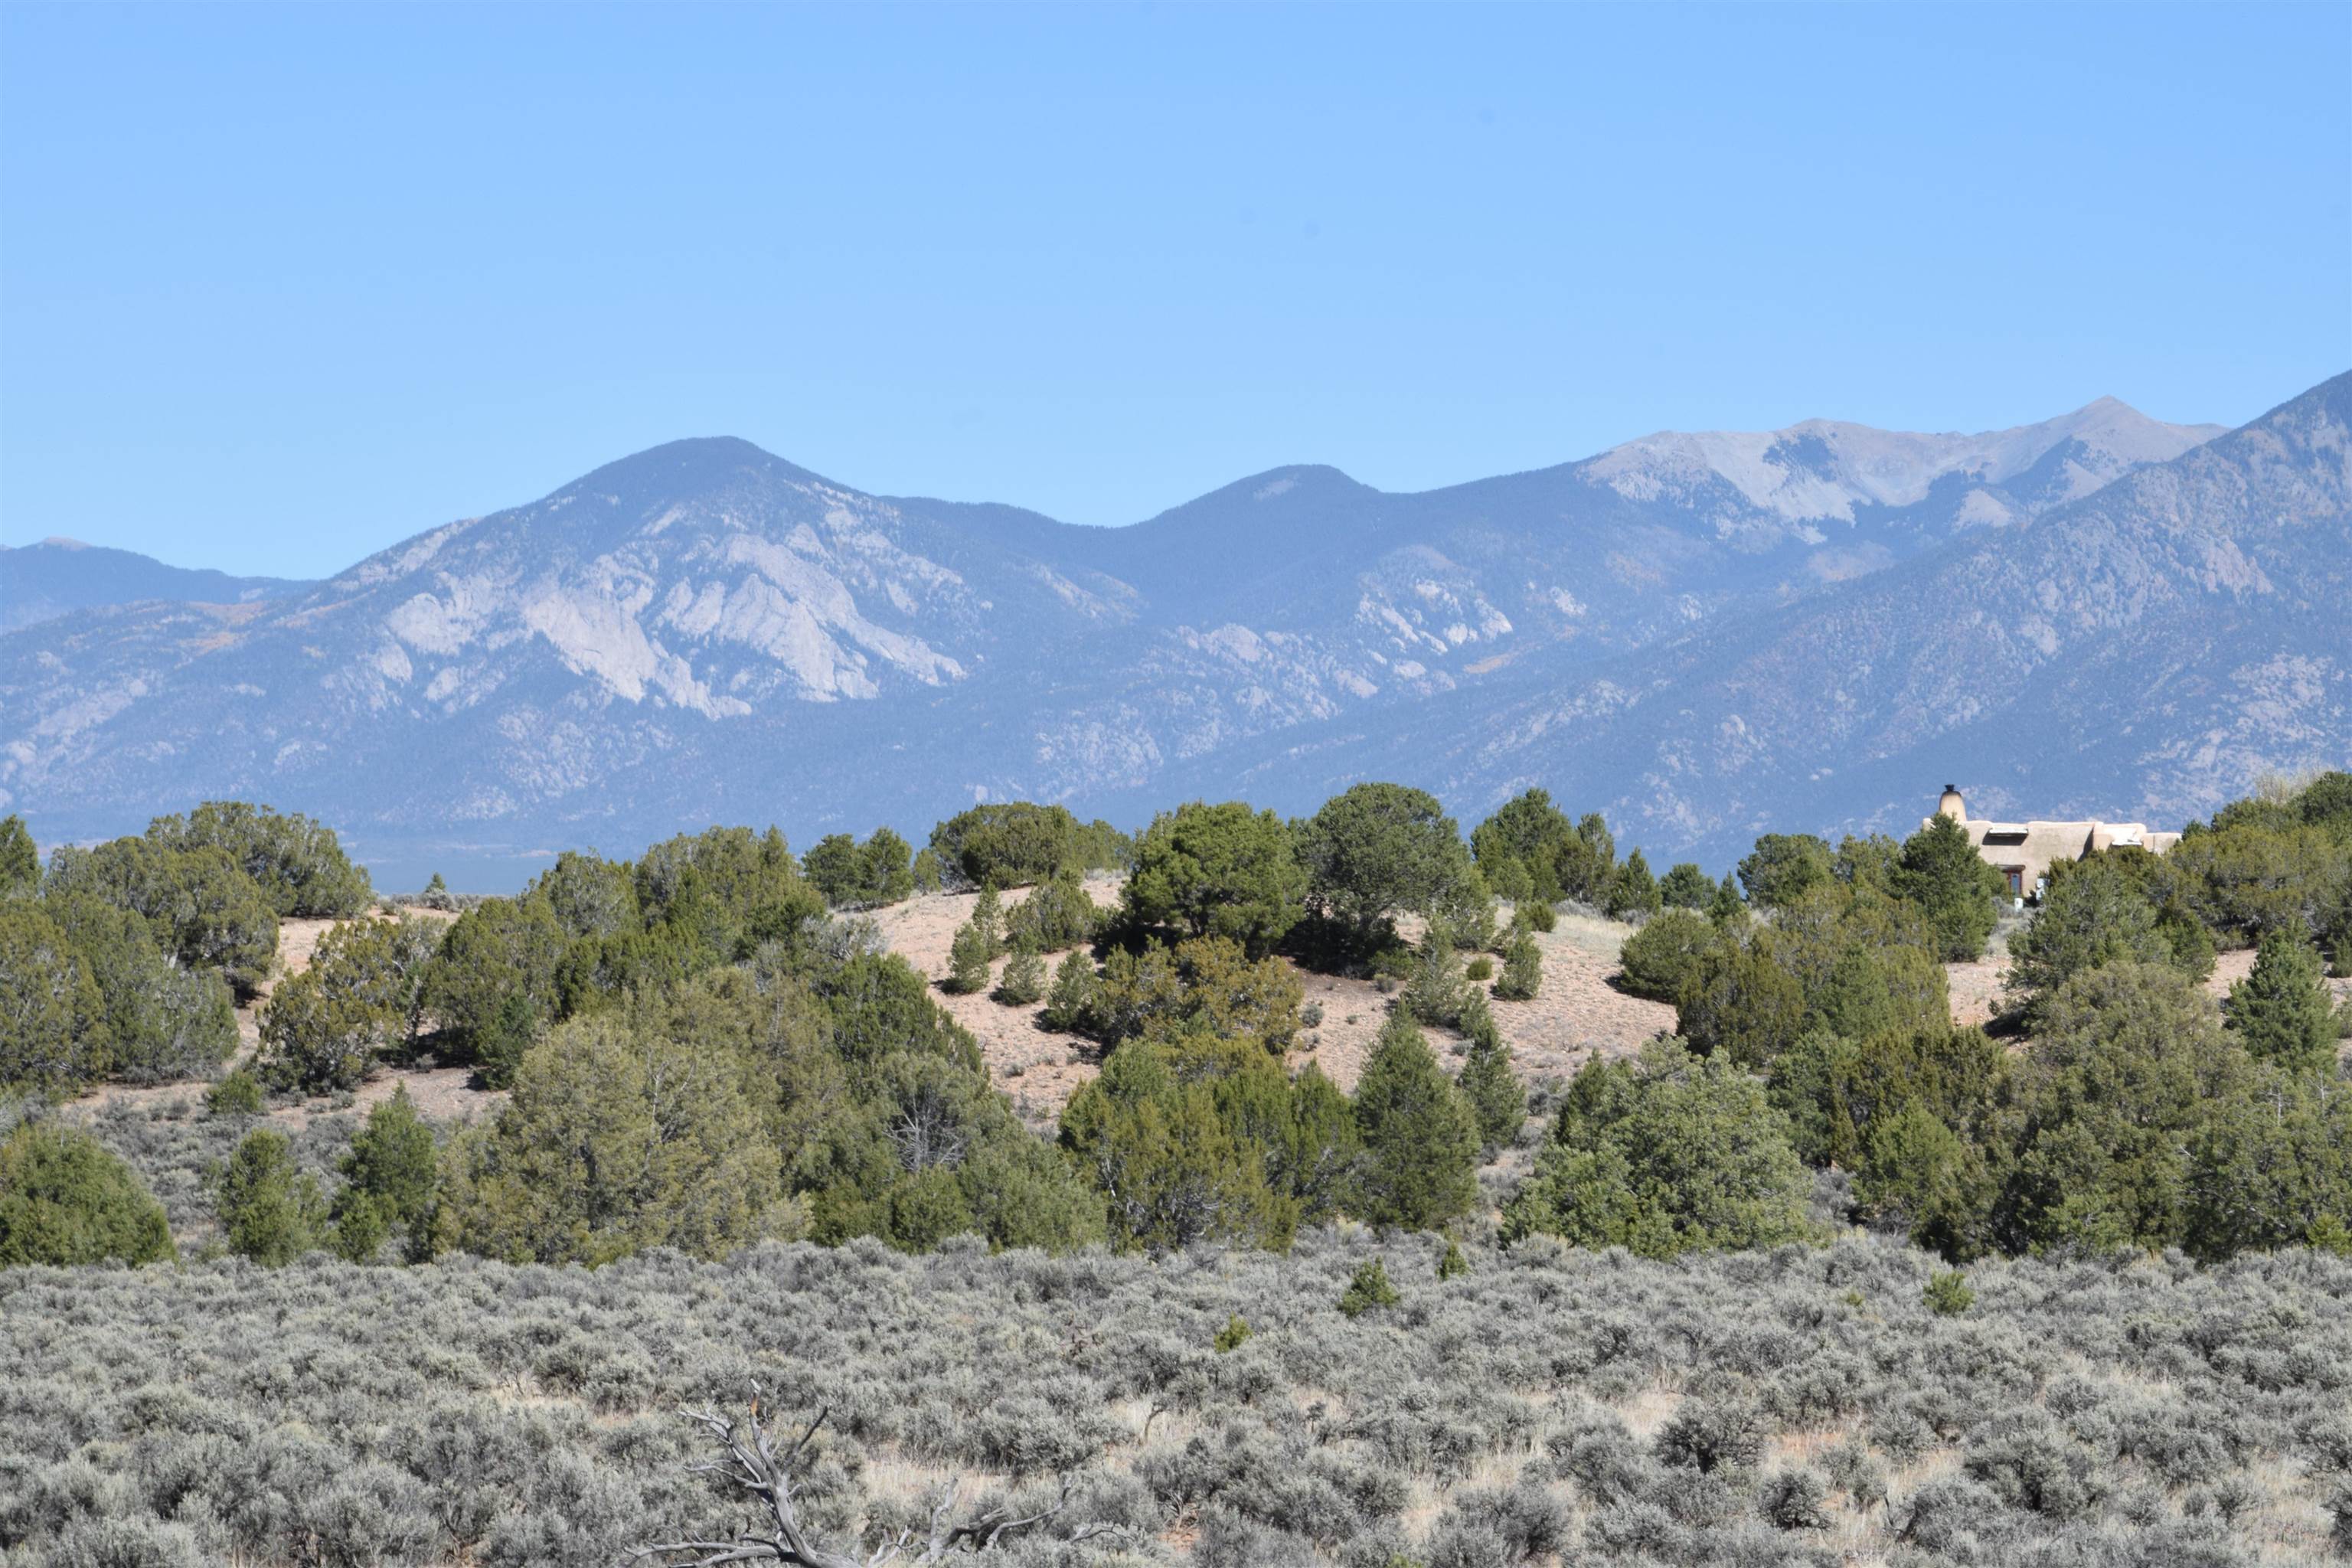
(705, 632)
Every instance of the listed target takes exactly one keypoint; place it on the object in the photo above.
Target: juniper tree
(269, 1208)
(297, 863)
(1739, 1004)
(1070, 1006)
(1218, 870)
(66, 1199)
(1420, 1136)
(621, 1135)
(20, 862)
(1381, 850)
(1522, 974)
(238, 1094)
(361, 997)
(53, 1032)
(1024, 980)
(1632, 890)
(1685, 887)
(1660, 959)
(968, 958)
(2283, 1011)
(1056, 914)
(1664, 1154)
(1499, 1102)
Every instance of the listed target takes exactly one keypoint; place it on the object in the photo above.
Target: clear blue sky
(280, 287)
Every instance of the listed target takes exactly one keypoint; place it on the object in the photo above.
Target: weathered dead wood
(751, 1461)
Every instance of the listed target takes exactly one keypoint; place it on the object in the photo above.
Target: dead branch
(749, 1459)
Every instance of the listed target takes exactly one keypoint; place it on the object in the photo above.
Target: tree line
(710, 1046)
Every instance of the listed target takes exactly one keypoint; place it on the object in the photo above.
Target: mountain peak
(692, 463)
(1820, 469)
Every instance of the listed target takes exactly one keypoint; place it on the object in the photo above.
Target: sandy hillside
(443, 1093)
(1578, 1013)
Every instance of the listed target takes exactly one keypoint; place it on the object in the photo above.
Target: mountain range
(1704, 635)
(41, 582)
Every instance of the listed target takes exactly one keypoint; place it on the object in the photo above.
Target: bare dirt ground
(443, 1093)
(1576, 1015)
(1038, 1070)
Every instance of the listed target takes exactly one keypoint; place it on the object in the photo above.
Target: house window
(2016, 875)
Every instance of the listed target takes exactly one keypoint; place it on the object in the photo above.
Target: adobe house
(2022, 851)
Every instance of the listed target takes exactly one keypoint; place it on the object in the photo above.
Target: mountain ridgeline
(1703, 636)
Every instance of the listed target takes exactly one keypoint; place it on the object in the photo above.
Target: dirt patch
(1037, 1069)
(1577, 1015)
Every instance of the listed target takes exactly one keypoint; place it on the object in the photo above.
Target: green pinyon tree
(1420, 1136)
(968, 958)
(20, 862)
(66, 1199)
(390, 1177)
(1024, 980)
(1435, 991)
(1498, 1101)
(1070, 1006)
(1685, 887)
(269, 1208)
(1218, 870)
(1664, 1154)
(1368, 1288)
(1633, 891)
(1783, 866)
(1940, 871)
(1522, 974)
(2094, 914)
(2283, 1011)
